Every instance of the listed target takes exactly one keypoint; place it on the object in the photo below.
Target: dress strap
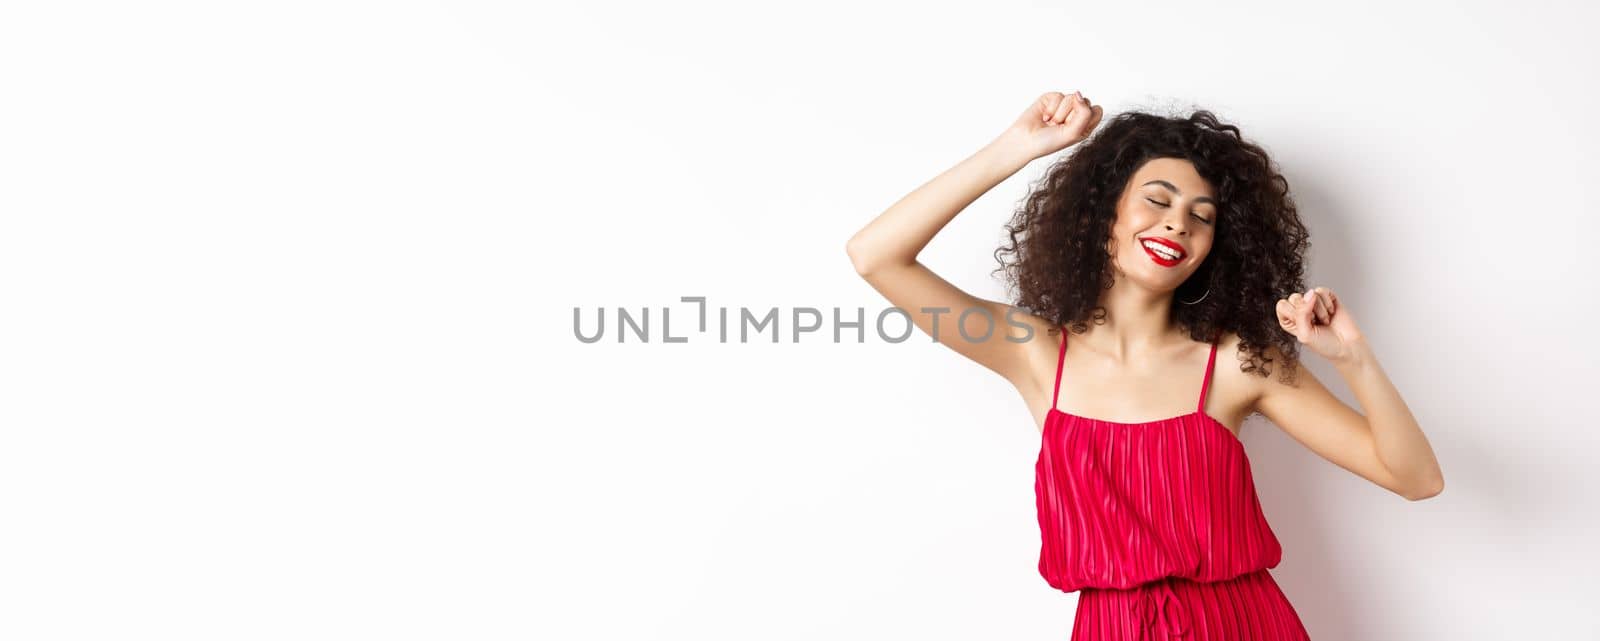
(1206, 385)
(1060, 361)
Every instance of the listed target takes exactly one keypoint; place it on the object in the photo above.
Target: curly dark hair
(1059, 260)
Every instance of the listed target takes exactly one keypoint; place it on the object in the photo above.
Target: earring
(1202, 297)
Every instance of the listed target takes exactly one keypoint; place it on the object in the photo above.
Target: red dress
(1158, 527)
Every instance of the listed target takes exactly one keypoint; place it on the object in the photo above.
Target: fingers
(1297, 314)
(1063, 108)
(1300, 312)
(1305, 311)
(1289, 316)
(1095, 120)
(1323, 298)
(1047, 105)
(1057, 108)
(1319, 313)
(1081, 111)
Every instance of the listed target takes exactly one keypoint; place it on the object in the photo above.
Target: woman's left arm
(1385, 446)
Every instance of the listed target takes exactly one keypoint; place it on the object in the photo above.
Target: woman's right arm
(884, 252)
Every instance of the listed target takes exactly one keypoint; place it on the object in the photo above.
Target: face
(1165, 209)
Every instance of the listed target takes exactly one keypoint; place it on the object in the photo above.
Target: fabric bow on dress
(1156, 605)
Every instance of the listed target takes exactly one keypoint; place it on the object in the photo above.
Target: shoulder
(1042, 336)
(1263, 373)
(1040, 340)
(1231, 364)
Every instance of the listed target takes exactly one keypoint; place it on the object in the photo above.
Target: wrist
(1357, 354)
(1010, 149)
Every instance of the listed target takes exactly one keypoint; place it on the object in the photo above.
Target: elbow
(1426, 491)
(869, 261)
(858, 257)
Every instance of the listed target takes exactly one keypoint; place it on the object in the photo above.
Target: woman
(1146, 502)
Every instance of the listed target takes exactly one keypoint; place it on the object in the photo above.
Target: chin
(1158, 278)
(1163, 285)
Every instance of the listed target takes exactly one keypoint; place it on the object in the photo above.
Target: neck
(1138, 323)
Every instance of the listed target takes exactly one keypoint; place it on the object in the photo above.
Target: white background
(288, 291)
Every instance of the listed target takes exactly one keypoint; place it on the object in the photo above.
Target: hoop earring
(1201, 298)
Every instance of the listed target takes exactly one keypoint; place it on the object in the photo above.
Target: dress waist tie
(1156, 603)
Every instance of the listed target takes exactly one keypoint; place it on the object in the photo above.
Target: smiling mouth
(1162, 254)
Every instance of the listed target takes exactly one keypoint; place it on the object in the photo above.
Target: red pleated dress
(1158, 527)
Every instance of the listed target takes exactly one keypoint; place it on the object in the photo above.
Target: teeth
(1161, 249)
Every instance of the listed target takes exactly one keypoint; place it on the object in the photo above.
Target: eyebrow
(1175, 190)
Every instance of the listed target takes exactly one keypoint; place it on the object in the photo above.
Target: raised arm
(1385, 445)
(884, 252)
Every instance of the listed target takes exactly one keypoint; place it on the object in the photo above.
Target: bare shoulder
(1272, 360)
(1236, 394)
(1041, 340)
(1229, 358)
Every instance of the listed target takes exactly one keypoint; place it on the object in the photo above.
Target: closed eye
(1197, 216)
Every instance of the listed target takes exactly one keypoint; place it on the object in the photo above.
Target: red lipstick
(1157, 256)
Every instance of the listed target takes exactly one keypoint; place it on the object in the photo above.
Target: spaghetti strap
(1060, 361)
(1206, 385)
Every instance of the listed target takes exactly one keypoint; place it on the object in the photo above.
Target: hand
(1054, 122)
(1318, 320)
